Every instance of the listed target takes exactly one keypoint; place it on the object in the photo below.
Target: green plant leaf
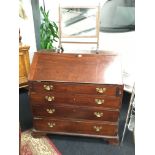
(54, 24)
(48, 31)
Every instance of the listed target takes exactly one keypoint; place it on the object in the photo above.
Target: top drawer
(61, 87)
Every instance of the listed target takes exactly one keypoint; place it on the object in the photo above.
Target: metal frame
(129, 113)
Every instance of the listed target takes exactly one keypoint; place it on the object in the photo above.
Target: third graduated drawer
(75, 99)
(76, 112)
(78, 88)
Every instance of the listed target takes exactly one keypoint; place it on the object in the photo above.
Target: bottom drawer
(74, 126)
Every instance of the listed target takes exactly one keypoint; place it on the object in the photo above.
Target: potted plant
(48, 31)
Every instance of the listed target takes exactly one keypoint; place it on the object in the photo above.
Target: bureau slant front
(72, 94)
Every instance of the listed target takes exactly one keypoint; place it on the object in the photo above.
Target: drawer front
(72, 126)
(54, 111)
(61, 87)
(75, 99)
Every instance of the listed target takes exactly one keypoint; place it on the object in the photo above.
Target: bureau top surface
(79, 68)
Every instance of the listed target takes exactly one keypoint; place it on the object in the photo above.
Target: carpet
(36, 146)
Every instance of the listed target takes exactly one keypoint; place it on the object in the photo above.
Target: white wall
(27, 28)
(123, 44)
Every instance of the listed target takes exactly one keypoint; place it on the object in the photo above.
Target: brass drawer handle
(99, 101)
(98, 114)
(97, 128)
(49, 98)
(101, 90)
(51, 125)
(50, 111)
(48, 87)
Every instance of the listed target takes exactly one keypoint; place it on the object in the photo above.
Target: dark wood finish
(74, 126)
(76, 99)
(81, 68)
(64, 87)
(37, 134)
(76, 94)
(75, 134)
(76, 112)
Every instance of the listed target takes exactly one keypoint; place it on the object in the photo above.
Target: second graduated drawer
(75, 99)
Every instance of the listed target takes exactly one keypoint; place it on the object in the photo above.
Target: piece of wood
(81, 68)
(76, 126)
(76, 112)
(24, 65)
(37, 134)
(76, 94)
(78, 88)
(86, 100)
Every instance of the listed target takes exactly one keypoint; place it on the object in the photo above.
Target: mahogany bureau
(76, 94)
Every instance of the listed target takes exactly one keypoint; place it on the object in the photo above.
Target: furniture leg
(114, 141)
